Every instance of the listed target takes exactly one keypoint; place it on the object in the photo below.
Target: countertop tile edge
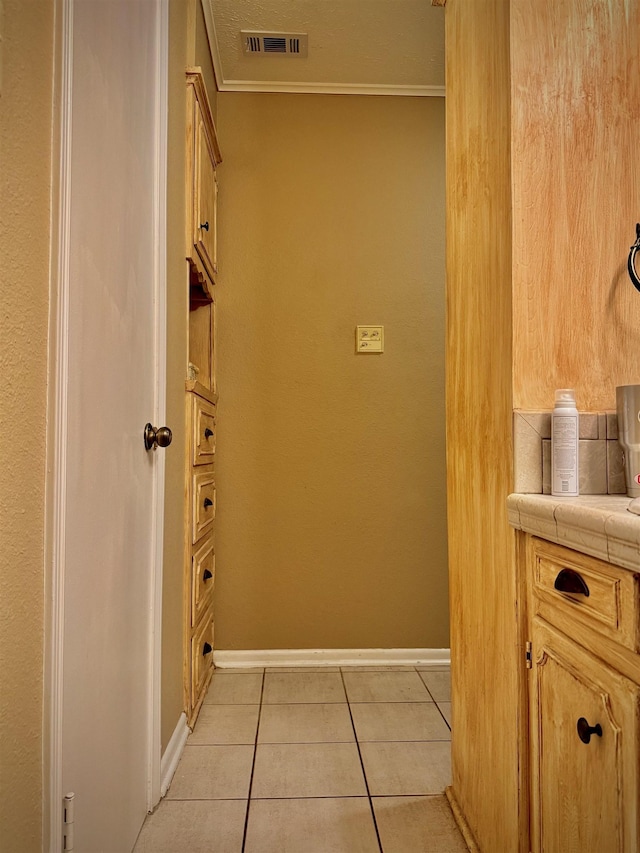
(598, 525)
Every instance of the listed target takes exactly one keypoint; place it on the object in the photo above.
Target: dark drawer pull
(585, 730)
(208, 502)
(207, 575)
(570, 581)
(206, 649)
(208, 433)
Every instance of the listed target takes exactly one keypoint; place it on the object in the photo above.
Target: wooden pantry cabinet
(202, 159)
(584, 702)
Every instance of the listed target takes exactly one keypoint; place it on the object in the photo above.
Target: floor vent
(267, 44)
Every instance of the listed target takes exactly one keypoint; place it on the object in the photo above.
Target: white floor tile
(220, 724)
(399, 721)
(297, 723)
(403, 769)
(194, 826)
(281, 688)
(304, 770)
(212, 773)
(424, 824)
(324, 825)
(385, 687)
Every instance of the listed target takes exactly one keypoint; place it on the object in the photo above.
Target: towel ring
(632, 258)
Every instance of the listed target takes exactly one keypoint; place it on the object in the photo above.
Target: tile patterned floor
(331, 760)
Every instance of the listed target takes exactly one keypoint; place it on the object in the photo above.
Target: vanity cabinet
(584, 702)
(203, 158)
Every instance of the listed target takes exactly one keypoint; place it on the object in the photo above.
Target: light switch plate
(369, 339)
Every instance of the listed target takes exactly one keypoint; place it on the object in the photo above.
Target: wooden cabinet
(584, 703)
(203, 158)
(199, 545)
(205, 198)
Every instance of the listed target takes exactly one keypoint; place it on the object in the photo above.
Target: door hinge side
(528, 648)
(68, 819)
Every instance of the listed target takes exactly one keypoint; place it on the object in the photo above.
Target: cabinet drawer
(596, 594)
(201, 657)
(204, 503)
(203, 570)
(204, 431)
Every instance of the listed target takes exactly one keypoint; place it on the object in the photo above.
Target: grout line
(253, 766)
(442, 715)
(366, 781)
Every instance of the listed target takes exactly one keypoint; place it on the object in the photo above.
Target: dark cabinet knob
(207, 503)
(205, 225)
(585, 730)
(569, 580)
(208, 433)
(153, 437)
(206, 649)
(206, 575)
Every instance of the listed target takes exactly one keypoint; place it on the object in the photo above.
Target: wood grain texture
(576, 188)
(485, 645)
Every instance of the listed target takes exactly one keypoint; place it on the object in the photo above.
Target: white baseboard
(172, 753)
(244, 659)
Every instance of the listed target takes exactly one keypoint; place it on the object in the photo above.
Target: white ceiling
(389, 47)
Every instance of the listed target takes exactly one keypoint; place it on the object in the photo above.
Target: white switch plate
(369, 339)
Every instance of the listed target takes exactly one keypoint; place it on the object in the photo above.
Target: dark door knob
(207, 503)
(208, 433)
(153, 437)
(585, 730)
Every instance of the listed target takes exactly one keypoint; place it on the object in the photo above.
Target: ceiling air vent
(265, 44)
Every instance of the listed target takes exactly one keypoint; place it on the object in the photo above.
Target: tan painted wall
(576, 184)
(331, 529)
(187, 47)
(25, 180)
(485, 658)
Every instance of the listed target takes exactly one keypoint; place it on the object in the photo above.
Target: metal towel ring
(632, 257)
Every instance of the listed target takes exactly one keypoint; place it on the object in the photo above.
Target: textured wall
(26, 30)
(331, 529)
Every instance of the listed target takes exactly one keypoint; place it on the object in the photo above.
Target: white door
(115, 344)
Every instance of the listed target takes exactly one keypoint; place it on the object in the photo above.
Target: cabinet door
(206, 201)
(584, 795)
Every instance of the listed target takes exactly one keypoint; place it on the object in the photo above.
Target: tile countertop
(599, 525)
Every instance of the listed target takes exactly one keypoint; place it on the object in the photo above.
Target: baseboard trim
(172, 753)
(461, 820)
(246, 658)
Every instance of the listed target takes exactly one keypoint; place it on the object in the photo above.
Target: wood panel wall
(485, 653)
(575, 69)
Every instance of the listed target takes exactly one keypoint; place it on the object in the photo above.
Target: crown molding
(271, 86)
